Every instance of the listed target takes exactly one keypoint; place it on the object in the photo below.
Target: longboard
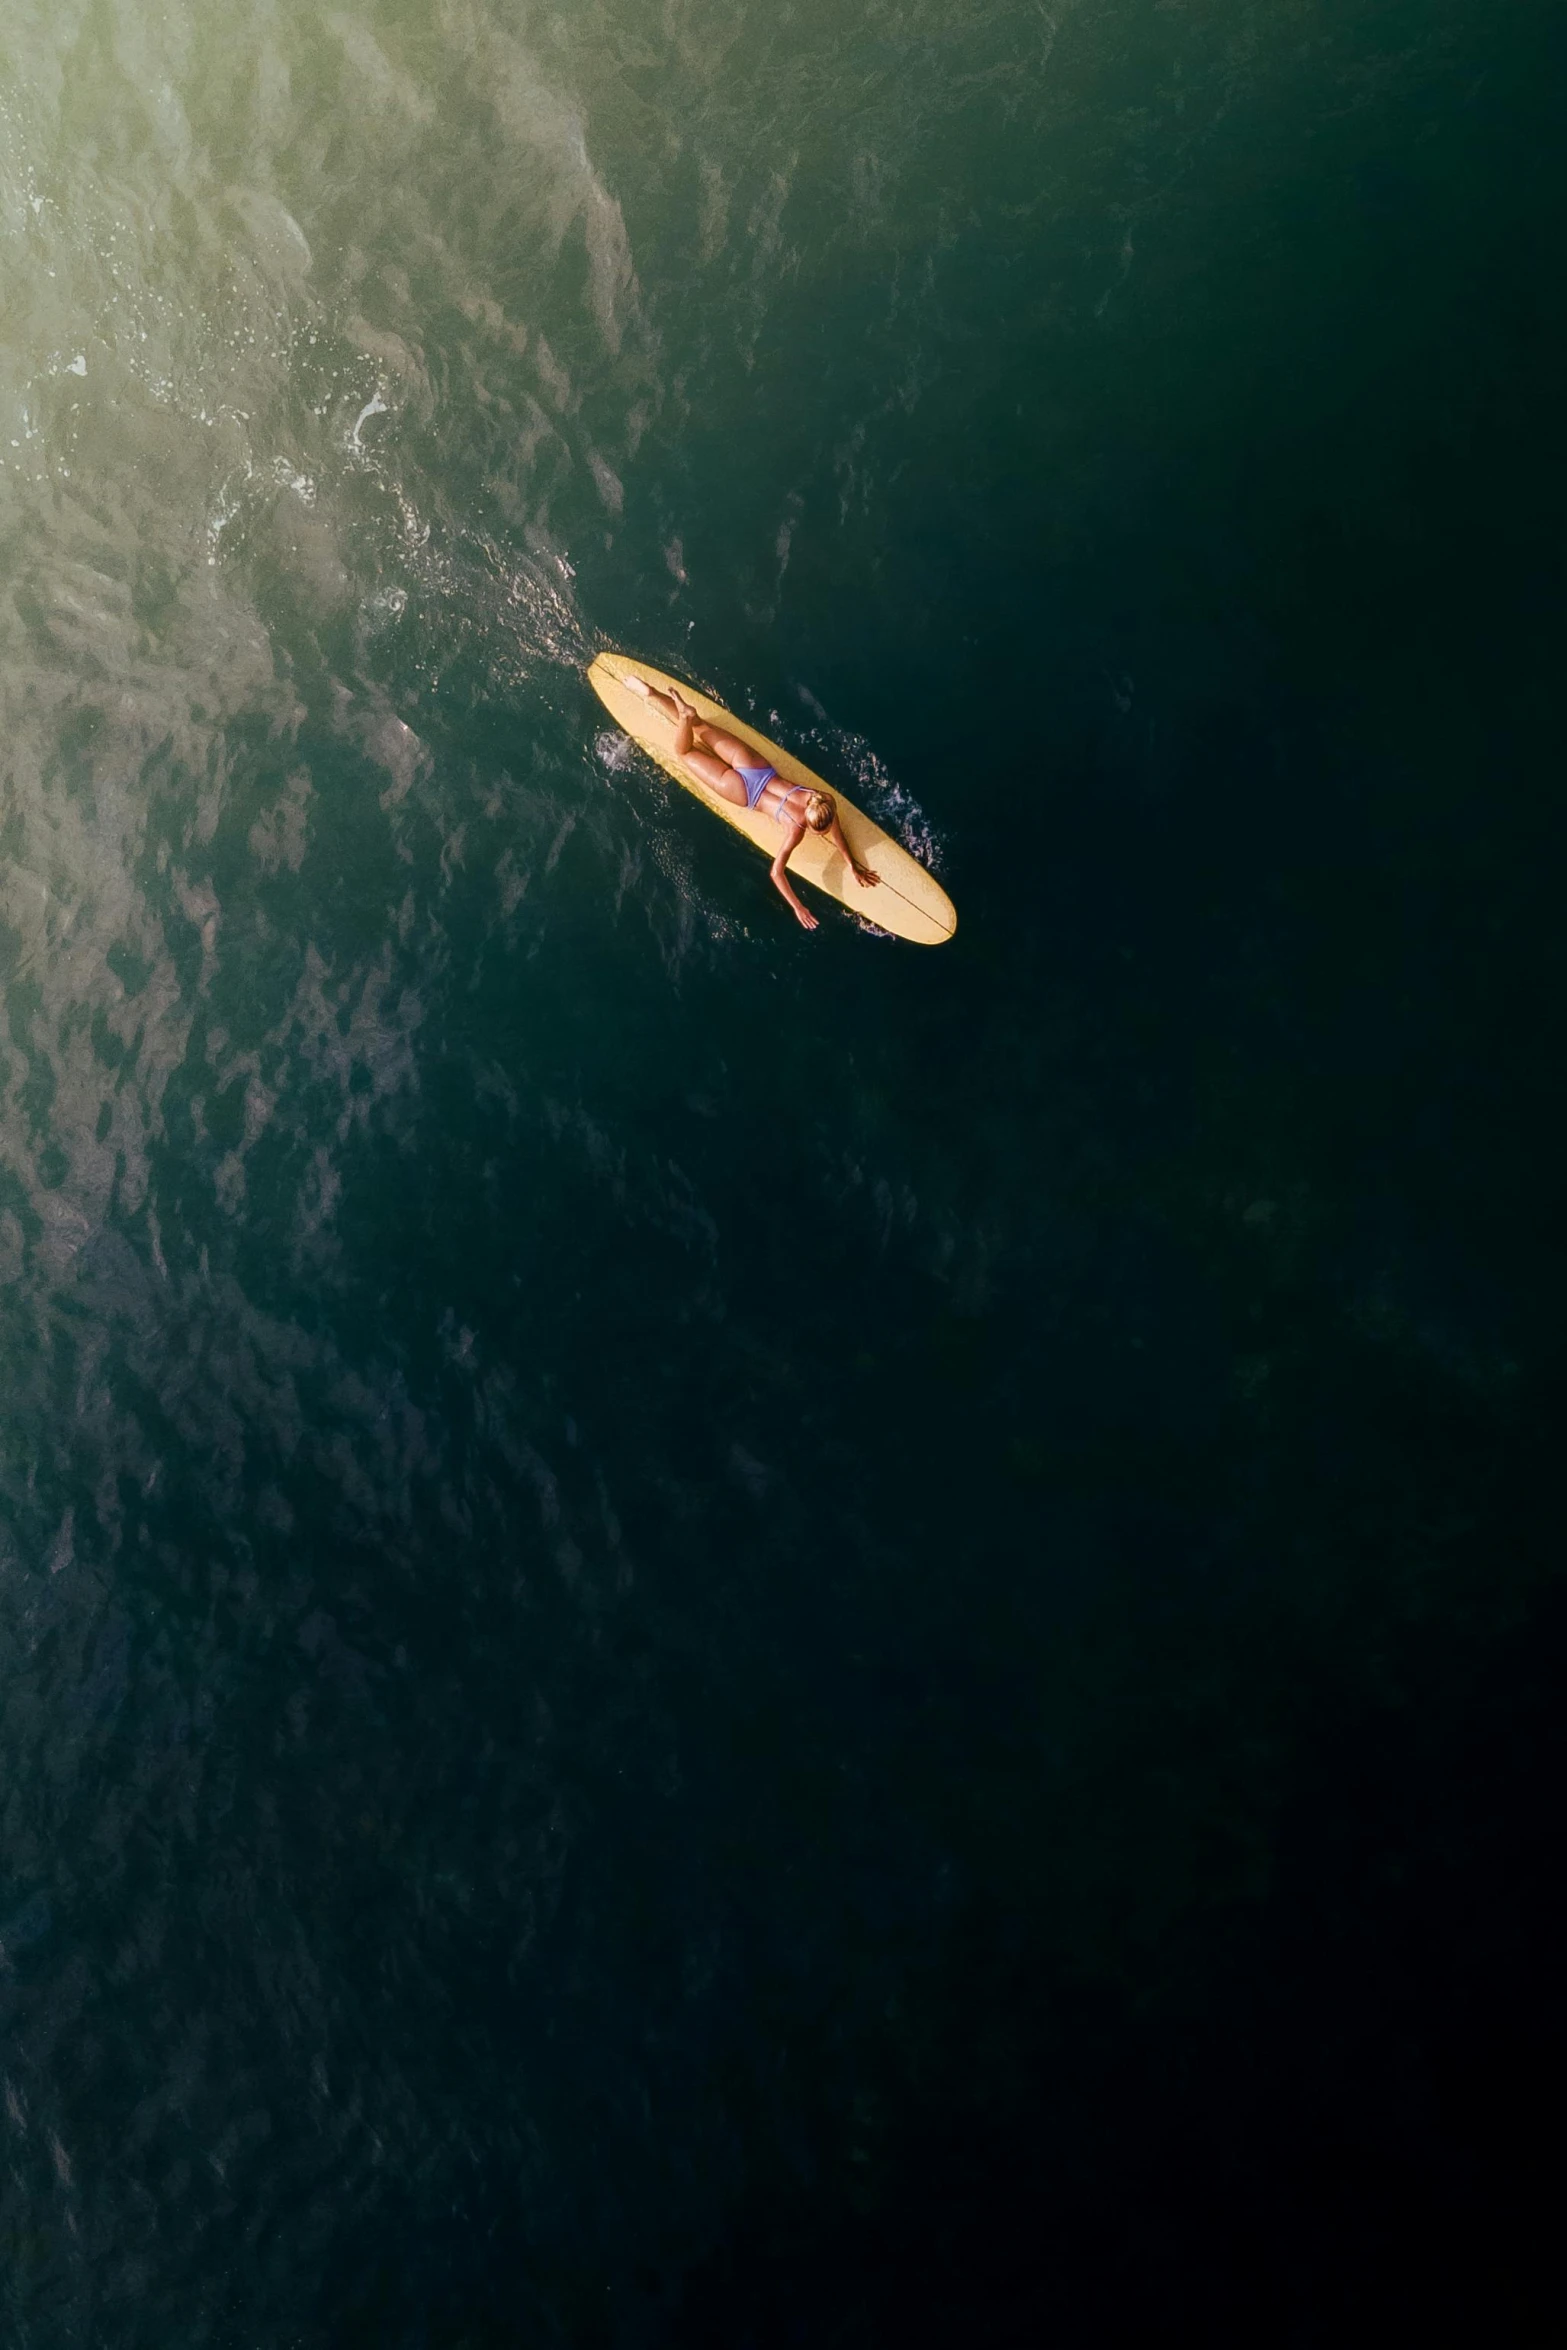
(907, 900)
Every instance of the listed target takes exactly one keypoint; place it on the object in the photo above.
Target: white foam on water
(212, 403)
(834, 749)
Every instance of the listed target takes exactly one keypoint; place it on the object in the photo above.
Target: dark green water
(715, 1638)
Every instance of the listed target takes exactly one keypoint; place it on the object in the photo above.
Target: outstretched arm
(784, 885)
(862, 873)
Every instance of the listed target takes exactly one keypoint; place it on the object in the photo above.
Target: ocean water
(717, 1637)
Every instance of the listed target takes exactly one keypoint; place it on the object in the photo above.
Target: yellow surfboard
(907, 900)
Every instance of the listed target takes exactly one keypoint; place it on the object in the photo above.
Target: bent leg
(662, 702)
(696, 742)
(728, 746)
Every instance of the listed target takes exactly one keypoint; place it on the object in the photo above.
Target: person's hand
(806, 920)
(865, 877)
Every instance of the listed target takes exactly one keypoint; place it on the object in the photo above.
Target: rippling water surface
(661, 1585)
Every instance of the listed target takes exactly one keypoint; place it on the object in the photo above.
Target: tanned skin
(715, 757)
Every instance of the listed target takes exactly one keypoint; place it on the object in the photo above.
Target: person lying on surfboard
(735, 771)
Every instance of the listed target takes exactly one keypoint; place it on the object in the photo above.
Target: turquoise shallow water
(711, 1637)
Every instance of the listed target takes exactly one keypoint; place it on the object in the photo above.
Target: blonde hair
(820, 809)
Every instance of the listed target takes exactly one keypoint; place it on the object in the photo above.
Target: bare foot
(670, 706)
